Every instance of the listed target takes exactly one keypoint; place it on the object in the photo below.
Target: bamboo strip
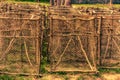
(116, 45)
(18, 36)
(27, 54)
(8, 48)
(81, 71)
(33, 19)
(24, 74)
(78, 18)
(84, 53)
(63, 53)
(108, 42)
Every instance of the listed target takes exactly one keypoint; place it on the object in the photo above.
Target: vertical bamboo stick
(1, 42)
(112, 32)
(99, 40)
(38, 54)
(37, 44)
(92, 45)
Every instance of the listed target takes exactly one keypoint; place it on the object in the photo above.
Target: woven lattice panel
(73, 44)
(110, 55)
(20, 40)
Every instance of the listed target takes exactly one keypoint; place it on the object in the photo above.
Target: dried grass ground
(105, 76)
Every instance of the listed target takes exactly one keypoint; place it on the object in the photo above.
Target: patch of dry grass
(96, 5)
(74, 5)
